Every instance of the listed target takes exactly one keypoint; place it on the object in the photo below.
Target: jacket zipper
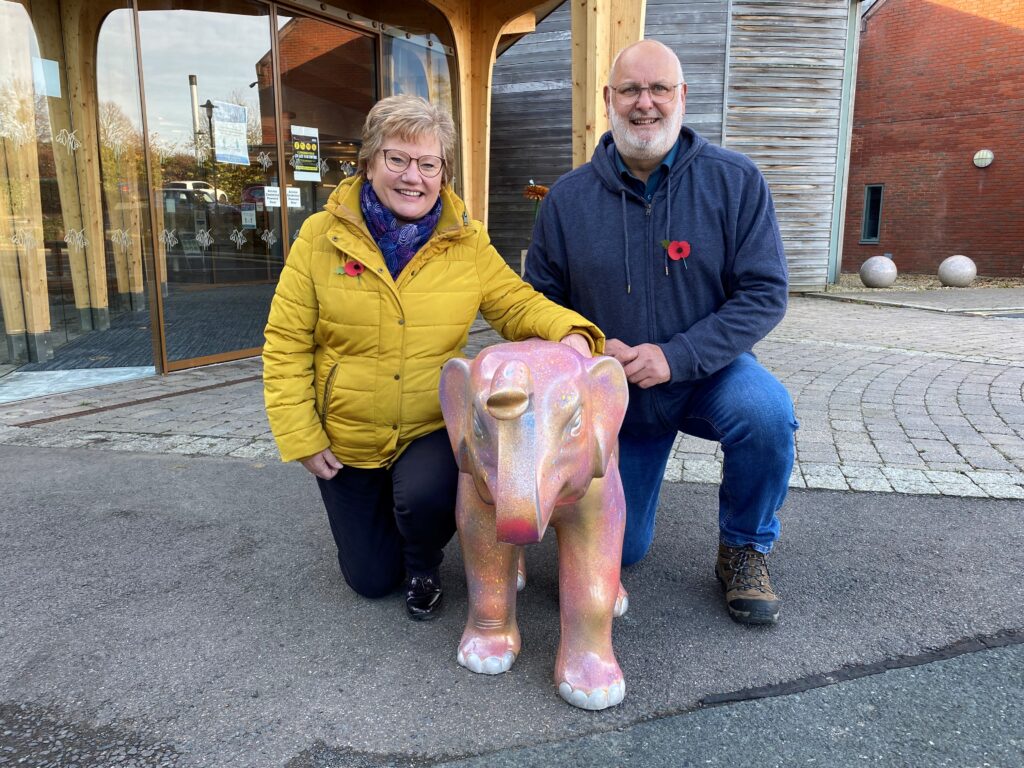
(328, 386)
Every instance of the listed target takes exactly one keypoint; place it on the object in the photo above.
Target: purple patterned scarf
(397, 241)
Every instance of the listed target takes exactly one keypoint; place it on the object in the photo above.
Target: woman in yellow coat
(379, 290)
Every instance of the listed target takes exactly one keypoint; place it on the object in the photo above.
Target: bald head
(645, 50)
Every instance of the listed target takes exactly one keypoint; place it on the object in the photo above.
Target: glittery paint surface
(534, 428)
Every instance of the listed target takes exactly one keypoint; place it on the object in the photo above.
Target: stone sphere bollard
(957, 271)
(878, 272)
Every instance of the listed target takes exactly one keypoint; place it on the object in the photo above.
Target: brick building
(937, 82)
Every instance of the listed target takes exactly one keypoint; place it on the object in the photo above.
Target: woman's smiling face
(409, 194)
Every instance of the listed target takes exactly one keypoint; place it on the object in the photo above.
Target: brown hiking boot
(743, 572)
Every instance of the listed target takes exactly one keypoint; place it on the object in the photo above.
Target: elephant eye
(478, 426)
(575, 425)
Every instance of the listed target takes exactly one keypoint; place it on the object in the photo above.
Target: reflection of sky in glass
(116, 67)
(220, 49)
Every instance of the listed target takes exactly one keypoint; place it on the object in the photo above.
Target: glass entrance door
(328, 85)
(209, 96)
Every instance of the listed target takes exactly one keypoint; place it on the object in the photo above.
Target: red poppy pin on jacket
(677, 249)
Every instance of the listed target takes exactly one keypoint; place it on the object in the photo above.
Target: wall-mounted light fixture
(983, 158)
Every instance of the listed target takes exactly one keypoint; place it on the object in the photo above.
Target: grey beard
(654, 148)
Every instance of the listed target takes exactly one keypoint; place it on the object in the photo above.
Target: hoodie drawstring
(625, 239)
(668, 217)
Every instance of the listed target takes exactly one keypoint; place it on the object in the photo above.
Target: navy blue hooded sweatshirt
(597, 249)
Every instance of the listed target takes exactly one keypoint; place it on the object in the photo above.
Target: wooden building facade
(772, 79)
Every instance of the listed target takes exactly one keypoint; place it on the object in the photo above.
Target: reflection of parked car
(189, 211)
(176, 197)
(196, 185)
(253, 194)
(200, 235)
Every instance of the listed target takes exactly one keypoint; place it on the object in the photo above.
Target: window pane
(328, 85)
(872, 213)
(210, 111)
(72, 261)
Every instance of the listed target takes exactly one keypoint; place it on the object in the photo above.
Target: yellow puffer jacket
(353, 358)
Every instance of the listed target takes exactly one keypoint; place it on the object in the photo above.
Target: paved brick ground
(889, 398)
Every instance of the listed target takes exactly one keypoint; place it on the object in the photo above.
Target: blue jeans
(748, 411)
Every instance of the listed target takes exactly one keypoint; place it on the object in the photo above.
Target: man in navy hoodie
(671, 246)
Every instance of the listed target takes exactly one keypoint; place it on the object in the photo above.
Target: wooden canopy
(599, 29)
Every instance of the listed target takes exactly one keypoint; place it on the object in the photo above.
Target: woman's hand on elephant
(322, 464)
(578, 342)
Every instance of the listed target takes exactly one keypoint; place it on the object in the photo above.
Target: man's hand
(624, 353)
(645, 364)
(578, 342)
(322, 464)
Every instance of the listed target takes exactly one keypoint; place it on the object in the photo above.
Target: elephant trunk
(517, 498)
(517, 502)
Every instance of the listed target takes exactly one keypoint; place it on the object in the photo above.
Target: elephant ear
(609, 395)
(454, 392)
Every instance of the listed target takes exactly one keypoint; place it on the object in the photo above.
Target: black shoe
(423, 597)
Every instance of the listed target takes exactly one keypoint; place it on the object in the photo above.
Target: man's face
(642, 128)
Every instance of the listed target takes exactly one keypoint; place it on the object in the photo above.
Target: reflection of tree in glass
(120, 145)
(18, 113)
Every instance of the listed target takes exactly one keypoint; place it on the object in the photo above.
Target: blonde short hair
(409, 118)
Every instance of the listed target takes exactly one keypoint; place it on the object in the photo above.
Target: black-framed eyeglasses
(398, 161)
(629, 93)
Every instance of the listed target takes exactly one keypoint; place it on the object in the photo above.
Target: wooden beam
(476, 26)
(81, 21)
(47, 23)
(11, 302)
(521, 25)
(600, 29)
(22, 203)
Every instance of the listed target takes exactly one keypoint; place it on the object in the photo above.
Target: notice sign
(272, 197)
(248, 215)
(46, 77)
(294, 195)
(306, 153)
(229, 140)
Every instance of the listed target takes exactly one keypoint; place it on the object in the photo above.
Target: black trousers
(389, 523)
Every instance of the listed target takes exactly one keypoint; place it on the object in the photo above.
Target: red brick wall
(936, 82)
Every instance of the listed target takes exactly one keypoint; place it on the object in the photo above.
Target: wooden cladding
(783, 108)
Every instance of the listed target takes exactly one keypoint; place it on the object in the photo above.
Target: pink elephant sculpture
(534, 426)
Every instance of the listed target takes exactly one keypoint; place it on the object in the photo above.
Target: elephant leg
(490, 641)
(521, 570)
(621, 602)
(589, 559)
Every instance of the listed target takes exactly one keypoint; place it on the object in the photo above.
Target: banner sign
(229, 128)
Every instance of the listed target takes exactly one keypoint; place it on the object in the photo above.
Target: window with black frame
(871, 225)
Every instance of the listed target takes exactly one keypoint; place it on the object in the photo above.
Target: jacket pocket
(326, 401)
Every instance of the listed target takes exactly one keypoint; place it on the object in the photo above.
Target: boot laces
(749, 571)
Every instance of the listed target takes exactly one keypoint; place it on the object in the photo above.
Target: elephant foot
(621, 602)
(489, 665)
(488, 654)
(593, 684)
(601, 698)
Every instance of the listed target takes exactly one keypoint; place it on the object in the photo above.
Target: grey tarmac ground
(171, 597)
